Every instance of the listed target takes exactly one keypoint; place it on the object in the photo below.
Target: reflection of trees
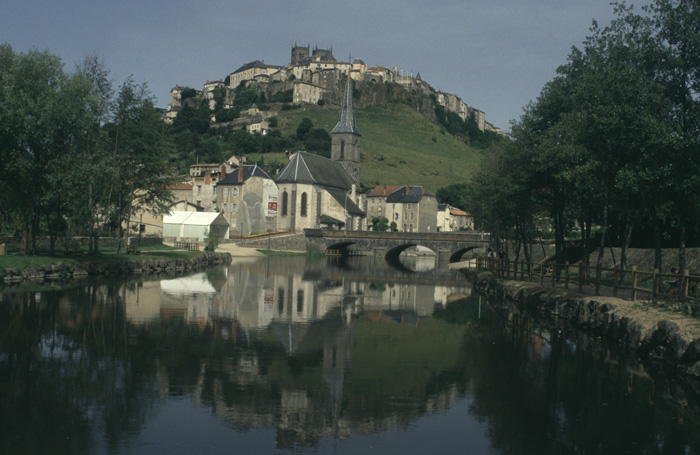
(542, 393)
(67, 378)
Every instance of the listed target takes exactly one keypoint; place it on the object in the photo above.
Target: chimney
(240, 174)
(223, 172)
(407, 189)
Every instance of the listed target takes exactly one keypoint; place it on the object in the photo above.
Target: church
(317, 192)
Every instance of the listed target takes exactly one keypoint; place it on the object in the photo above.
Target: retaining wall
(661, 335)
(64, 272)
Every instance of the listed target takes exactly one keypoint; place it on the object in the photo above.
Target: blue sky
(496, 55)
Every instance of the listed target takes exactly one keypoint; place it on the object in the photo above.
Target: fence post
(554, 274)
(580, 277)
(655, 284)
(616, 277)
(597, 279)
(541, 273)
(685, 282)
(634, 283)
(531, 272)
(566, 275)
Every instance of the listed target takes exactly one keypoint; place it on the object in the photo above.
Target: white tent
(195, 225)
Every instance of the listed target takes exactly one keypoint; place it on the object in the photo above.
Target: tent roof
(194, 218)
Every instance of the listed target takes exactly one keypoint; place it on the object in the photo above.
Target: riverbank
(57, 270)
(656, 334)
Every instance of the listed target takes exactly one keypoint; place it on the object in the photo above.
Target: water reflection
(296, 355)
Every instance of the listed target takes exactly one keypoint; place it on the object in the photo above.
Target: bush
(212, 242)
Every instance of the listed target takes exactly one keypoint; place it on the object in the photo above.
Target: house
(307, 93)
(413, 209)
(262, 127)
(316, 192)
(460, 220)
(247, 197)
(443, 218)
(194, 226)
(376, 201)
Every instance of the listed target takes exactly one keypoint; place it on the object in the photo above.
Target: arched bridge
(449, 246)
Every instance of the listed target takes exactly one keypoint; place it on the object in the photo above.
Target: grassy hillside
(399, 146)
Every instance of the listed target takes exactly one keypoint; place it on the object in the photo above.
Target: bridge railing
(434, 236)
(633, 281)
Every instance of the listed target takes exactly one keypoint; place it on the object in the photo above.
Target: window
(225, 192)
(234, 191)
(411, 215)
(285, 199)
(304, 204)
(342, 148)
(225, 208)
(280, 300)
(234, 207)
(199, 189)
(300, 301)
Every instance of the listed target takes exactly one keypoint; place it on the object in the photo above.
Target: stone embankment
(661, 335)
(289, 242)
(63, 272)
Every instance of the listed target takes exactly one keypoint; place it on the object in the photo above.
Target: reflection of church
(297, 384)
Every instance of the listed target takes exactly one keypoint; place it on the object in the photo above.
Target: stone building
(247, 197)
(316, 192)
(376, 202)
(413, 209)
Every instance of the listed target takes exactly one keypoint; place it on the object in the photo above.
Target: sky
(496, 55)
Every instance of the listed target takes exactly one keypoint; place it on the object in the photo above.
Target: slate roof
(255, 64)
(313, 169)
(346, 124)
(249, 171)
(348, 204)
(408, 195)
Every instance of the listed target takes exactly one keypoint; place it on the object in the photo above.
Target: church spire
(346, 124)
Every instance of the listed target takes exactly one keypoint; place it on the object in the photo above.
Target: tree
(380, 224)
(304, 128)
(140, 142)
(43, 123)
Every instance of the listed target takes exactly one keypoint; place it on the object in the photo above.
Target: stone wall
(294, 242)
(660, 335)
(64, 272)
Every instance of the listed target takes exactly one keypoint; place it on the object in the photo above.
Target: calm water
(281, 355)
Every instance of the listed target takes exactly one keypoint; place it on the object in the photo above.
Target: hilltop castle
(315, 74)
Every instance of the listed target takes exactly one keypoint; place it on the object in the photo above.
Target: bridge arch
(457, 255)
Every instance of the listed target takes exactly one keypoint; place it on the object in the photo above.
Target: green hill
(399, 146)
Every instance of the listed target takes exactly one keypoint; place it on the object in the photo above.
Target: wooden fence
(191, 246)
(652, 283)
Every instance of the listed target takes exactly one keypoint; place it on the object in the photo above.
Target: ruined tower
(346, 137)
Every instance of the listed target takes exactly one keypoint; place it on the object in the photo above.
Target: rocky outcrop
(669, 337)
(64, 272)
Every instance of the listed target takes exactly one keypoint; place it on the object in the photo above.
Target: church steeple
(346, 136)
(347, 113)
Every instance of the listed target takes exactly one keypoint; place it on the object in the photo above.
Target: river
(295, 355)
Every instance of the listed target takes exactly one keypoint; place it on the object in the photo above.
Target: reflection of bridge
(449, 246)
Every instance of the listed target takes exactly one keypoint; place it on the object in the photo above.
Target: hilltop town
(314, 76)
(234, 199)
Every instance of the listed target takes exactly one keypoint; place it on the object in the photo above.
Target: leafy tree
(455, 195)
(304, 128)
(380, 224)
(141, 144)
(318, 141)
